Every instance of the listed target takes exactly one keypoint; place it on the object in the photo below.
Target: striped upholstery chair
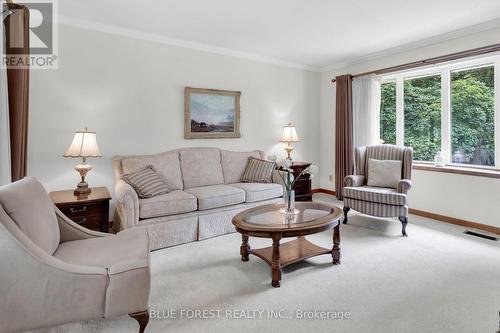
(379, 201)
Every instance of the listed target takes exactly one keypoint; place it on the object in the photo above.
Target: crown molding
(463, 32)
(136, 34)
(132, 33)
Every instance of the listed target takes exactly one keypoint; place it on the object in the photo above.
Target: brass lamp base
(289, 149)
(83, 187)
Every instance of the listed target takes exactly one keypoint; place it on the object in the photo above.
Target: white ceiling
(313, 34)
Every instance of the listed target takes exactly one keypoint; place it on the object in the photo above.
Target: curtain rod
(434, 61)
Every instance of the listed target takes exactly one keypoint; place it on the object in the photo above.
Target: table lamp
(289, 135)
(84, 145)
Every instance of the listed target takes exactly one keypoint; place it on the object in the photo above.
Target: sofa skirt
(174, 230)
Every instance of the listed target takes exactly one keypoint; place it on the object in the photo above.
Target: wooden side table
(303, 185)
(91, 212)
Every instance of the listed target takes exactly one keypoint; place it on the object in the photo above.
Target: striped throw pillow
(258, 171)
(147, 183)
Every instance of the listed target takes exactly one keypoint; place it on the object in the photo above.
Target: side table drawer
(91, 211)
(78, 210)
(93, 222)
(302, 186)
(302, 189)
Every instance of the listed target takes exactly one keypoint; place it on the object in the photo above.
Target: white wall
(131, 92)
(465, 197)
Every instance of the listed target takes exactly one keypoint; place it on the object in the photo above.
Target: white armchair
(55, 271)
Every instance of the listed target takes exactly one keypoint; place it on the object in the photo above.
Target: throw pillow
(147, 183)
(258, 171)
(384, 173)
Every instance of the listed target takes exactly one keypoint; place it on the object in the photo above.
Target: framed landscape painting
(211, 113)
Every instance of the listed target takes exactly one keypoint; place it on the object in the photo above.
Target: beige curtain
(366, 110)
(344, 157)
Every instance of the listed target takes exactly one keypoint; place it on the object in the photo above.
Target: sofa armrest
(403, 186)
(354, 180)
(129, 202)
(71, 231)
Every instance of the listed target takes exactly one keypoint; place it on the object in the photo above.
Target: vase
(289, 203)
(439, 159)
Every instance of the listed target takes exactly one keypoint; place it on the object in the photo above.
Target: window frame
(414, 77)
(396, 111)
(444, 70)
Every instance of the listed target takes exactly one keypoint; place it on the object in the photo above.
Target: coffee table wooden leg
(276, 267)
(245, 247)
(336, 245)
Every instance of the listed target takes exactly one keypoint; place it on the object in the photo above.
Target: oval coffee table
(267, 222)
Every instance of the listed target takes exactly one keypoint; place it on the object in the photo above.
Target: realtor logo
(41, 30)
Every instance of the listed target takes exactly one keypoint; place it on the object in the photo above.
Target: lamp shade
(84, 145)
(289, 134)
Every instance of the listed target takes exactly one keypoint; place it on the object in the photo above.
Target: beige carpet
(436, 280)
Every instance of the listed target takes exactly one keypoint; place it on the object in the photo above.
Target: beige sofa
(205, 194)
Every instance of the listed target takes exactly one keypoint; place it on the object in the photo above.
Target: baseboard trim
(324, 190)
(453, 220)
(437, 217)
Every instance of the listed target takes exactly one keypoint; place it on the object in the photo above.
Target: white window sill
(462, 170)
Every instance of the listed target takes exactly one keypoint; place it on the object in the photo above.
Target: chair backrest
(26, 202)
(383, 152)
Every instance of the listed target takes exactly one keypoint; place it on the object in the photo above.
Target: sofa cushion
(167, 165)
(260, 191)
(29, 206)
(125, 246)
(258, 171)
(217, 196)
(201, 167)
(174, 202)
(234, 164)
(125, 256)
(375, 194)
(147, 183)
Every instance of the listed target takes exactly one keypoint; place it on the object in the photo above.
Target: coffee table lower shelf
(291, 252)
(282, 255)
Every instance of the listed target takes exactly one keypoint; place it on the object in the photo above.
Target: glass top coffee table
(267, 222)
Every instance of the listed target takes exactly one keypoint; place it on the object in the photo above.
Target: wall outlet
(330, 178)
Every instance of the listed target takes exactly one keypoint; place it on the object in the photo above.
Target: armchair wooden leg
(142, 318)
(346, 210)
(404, 222)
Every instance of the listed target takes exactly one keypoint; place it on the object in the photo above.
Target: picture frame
(211, 113)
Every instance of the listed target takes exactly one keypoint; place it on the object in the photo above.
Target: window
(422, 116)
(450, 108)
(388, 112)
(473, 116)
